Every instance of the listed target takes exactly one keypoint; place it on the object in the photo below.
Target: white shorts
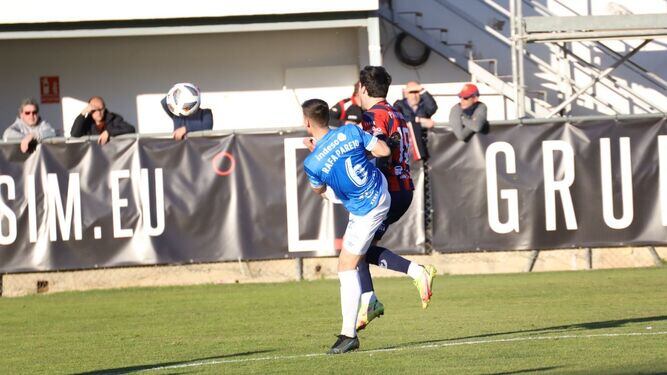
(361, 229)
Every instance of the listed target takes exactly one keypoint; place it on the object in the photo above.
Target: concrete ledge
(14, 285)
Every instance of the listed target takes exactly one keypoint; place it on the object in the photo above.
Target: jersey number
(356, 173)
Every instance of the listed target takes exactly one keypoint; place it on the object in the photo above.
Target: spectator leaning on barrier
(469, 116)
(200, 120)
(417, 107)
(96, 119)
(29, 127)
(347, 110)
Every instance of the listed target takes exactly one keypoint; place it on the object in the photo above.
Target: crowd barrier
(221, 196)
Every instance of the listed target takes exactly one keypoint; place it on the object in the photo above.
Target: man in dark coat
(95, 119)
(417, 107)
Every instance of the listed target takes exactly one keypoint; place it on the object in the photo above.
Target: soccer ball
(183, 99)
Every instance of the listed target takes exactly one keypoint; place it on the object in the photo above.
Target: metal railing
(218, 133)
(580, 63)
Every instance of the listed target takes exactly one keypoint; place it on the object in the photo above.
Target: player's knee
(346, 265)
(348, 261)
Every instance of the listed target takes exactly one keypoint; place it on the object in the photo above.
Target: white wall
(235, 70)
(122, 69)
(83, 10)
(435, 70)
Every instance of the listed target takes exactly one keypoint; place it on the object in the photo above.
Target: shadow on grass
(527, 370)
(554, 329)
(131, 369)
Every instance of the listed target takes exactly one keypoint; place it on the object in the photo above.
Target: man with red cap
(468, 116)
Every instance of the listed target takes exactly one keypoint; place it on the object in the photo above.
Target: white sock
(350, 292)
(415, 270)
(368, 298)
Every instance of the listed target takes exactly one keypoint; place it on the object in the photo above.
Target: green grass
(122, 331)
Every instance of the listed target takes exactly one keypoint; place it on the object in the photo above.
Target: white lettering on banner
(325, 244)
(6, 212)
(662, 162)
(72, 211)
(144, 192)
(511, 195)
(117, 203)
(562, 185)
(32, 210)
(144, 195)
(608, 185)
(59, 217)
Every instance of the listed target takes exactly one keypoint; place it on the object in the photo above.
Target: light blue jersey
(339, 161)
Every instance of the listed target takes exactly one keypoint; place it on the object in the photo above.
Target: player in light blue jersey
(338, 161)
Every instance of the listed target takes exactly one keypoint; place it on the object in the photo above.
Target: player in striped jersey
(384, 122)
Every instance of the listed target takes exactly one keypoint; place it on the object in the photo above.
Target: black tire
(404, 57)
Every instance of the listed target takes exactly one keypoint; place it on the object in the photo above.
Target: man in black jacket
(95, 119)
(417, 107)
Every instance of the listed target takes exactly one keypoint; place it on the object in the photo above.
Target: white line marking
(402, 348)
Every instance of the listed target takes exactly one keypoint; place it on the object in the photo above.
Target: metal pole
(589, 258)
(531, 260)
(299, 269)
(565, 81)
(613, 83)
(602, 74)
(656, 257)
(520, 57)
(2, 275)
(374, 47)
(513, 37)
(428, 208)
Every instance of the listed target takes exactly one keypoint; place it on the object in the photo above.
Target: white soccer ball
(183, 99)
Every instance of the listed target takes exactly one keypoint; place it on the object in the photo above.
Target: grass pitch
(606, 322)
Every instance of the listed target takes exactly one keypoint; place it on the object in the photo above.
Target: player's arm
(380, 149)
(310, 143)
(320, 189)
(376, 146)
(316, 184)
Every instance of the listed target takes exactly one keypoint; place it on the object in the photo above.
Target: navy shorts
(400, 202)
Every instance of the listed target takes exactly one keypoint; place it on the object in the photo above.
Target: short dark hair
(316, 110)
(28, 101)
(98, 98)
(376, 80)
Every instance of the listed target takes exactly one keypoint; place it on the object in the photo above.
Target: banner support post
(531, 260)
(299, 269)
(656, 260)
(589, 258)
(2, 275)
(244, 268)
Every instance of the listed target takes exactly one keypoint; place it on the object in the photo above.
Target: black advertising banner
(77, 205)
(548, 186)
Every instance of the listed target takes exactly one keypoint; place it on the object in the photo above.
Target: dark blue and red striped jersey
(383, 121)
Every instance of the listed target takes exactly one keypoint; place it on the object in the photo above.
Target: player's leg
(422, 275)
(357, 238)
(350, 293)
(370, 307)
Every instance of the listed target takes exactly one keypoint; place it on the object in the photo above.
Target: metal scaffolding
(554, 29)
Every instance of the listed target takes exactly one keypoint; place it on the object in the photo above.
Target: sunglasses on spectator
(30, 113)
(414, 92)
(466, 97)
